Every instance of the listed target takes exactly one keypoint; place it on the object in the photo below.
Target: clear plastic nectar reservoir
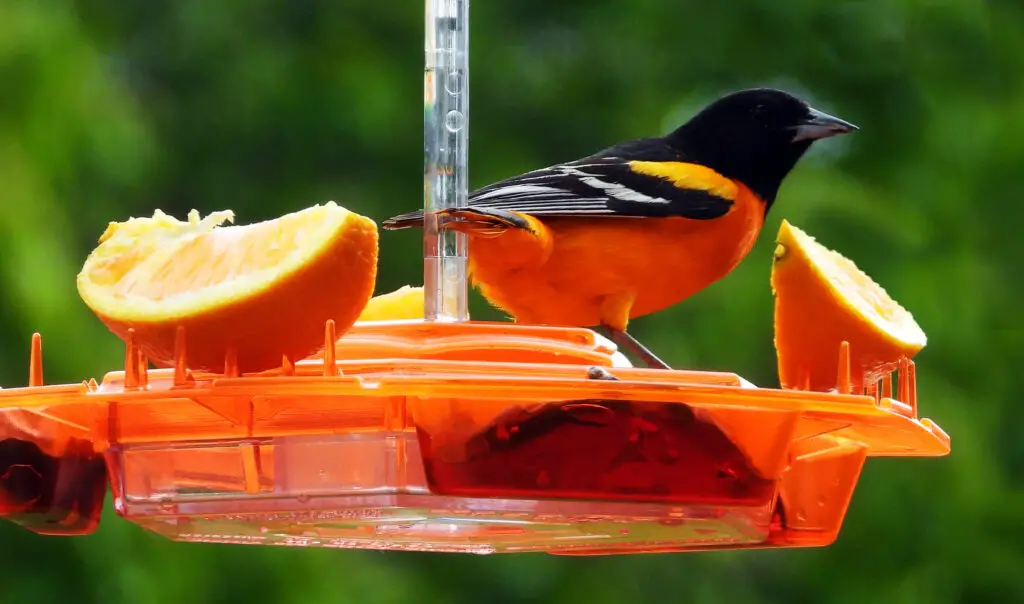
(446, 142)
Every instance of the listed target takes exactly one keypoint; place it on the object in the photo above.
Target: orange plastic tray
(465, 437)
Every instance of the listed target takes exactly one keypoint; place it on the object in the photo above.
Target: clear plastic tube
(446, 142)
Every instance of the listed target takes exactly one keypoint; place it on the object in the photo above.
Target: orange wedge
(254, 293)
(404, 303)
(821, 300)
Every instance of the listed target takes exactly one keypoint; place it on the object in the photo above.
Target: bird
(639, 226)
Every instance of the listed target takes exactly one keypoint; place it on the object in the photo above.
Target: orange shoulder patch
(688, 176)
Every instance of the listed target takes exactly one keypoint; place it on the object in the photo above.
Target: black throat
(761, 168)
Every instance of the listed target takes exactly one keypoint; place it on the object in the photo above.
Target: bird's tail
(471, 220)
(404, 221)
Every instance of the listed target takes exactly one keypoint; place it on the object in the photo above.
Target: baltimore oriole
(639, 226)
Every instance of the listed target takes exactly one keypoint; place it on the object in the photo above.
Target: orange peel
(254, 293)
(822, 300)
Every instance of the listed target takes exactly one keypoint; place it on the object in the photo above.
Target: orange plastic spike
(903, 385)
(131, 365)
(871, 389)
(35, 361)
(231, 361)
(330, 337)
(887, 385)
(287, 366)
(180, 357)
(912, 387)
(143, 365)
(843, 384)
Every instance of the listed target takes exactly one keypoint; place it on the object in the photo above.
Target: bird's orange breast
(587, 271)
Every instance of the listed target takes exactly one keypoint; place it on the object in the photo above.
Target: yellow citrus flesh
(821, 300)
(263, 290)
(404, 303)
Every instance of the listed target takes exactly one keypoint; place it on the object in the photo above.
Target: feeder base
(369, 491)
(460, 437)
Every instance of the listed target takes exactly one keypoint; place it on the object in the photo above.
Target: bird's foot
(595, 372)
(631, 344)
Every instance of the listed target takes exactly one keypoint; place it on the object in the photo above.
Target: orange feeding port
(444, 434)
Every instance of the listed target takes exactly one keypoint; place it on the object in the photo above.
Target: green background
(111, 109)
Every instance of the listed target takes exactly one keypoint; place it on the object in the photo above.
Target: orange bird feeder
(451, 435)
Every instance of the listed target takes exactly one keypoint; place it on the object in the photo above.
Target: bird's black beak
(821, 125)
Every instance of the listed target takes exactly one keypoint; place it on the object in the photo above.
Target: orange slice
(821, 300)
(260, 291)
(404, 303)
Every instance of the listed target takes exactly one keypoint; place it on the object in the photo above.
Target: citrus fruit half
(821, 300)
(262, 291)
(404, 303)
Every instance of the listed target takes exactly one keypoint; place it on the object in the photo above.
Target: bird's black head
(755, 136)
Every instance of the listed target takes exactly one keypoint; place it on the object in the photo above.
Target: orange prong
(35, 361)
(143, 364)
(912, 386)
(843, 384)
(903, 387)
(231, 361)
(287, 366)
(887, 385)
(330, 337)
(131, 365)
(871, 389)
(180, 357)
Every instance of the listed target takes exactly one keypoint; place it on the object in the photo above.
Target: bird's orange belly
(610, 270)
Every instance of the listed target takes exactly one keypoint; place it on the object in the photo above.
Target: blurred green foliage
(112, 109)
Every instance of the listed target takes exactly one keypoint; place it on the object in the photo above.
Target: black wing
(602, 185)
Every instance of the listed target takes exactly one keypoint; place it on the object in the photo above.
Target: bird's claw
(600, 373)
